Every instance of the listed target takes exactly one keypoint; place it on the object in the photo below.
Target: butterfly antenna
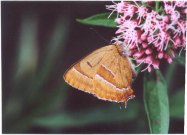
(107, 41)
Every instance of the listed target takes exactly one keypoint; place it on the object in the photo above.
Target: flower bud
(138, 54)
(158, 49)
(149, 39)
(143, 37)
(119, 20)
(149, 59)
(149, 69)
(184, 11)
(156, 45)
(148, 51)
(166, 55)
(177, 40)
(169, 60)
(144, 44)
(160, 55)
(166, 19)
(156, 64)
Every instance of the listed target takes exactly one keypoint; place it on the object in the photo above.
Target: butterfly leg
(127, 99)
(127, 96)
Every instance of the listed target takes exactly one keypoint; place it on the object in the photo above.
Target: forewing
(81, 74)
(92, 62)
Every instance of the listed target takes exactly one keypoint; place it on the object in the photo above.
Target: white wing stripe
(108, 69)
(102, 79)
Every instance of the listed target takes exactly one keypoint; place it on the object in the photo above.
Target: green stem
(157, 6)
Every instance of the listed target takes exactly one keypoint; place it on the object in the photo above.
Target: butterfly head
(124, 51)
(122, 47)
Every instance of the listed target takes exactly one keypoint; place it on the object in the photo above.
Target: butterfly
(106, 73)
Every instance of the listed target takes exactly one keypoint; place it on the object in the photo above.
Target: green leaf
(181, 60)
(102, 19)
(86, 117)
(177, 104)
(156, 103)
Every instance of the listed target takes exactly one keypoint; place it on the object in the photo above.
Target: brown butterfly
(105, 73)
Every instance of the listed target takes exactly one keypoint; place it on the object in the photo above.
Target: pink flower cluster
(152, 31)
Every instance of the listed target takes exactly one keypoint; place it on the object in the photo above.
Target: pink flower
(169, 7)
(180, 3)
(151, 36)
(142, 12)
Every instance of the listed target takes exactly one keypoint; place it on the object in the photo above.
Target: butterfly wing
(81, 74)
(113, 78)
(104, 73)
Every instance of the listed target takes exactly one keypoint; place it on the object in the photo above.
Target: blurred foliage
(156, 102)
(85, 117)
(30, 82)
(177, 104)
(38, 96)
